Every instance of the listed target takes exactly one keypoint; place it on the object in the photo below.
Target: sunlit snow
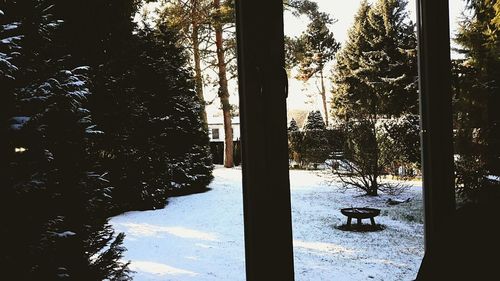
(200, 237)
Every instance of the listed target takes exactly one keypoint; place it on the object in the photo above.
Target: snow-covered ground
(200, 237)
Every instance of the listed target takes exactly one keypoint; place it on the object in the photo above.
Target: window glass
(215, 134)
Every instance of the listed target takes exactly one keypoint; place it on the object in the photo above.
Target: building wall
(218, 125)
(217, 136)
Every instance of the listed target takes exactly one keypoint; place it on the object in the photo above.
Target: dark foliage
(53, 198)
(295, 143)
(476, 99)
(154, 142)
(315, 144)
(85, 142)
(400, 145)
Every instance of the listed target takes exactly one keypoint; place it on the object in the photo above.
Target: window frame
(263, 91)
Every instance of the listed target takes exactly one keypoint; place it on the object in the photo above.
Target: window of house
(215, 134)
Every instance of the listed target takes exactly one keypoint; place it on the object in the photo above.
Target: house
(217, 136)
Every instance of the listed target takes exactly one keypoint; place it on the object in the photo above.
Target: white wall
(217, 123)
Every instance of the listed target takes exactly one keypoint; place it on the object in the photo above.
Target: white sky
(343, 11)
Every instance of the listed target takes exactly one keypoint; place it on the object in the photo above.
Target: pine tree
(349, 89)
(399, 140)
(81, 137)
(376, 72)
(390, 65)
(476, 98)
(213, 45)
(193, 32)
(312, 50)
(314, 122)
(157, 142)
(315, 144)
(174, 112)
(56, 228)
(374, 77)
(295, 143)
(143, 100)
(293, 127)
(219, 16)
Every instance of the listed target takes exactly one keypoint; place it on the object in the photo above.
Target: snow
(11, 40)
(64, 234)
(17, 122)
(10, 26)
(493, 178)
(200, 237)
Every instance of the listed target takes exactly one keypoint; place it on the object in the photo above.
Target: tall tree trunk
(323, 96)
(223, 89)
(198, 78)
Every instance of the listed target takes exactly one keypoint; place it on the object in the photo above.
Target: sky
(301, 96)
(344, 10)
(304, 96)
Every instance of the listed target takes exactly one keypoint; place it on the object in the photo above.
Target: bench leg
(359, 222)
(373, 221)
(349, 219)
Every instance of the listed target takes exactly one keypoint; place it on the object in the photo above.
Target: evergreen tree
(374, 77)
(293, 127)
(174, 112)
(295, 143)
(376, 71)
(162, 141)
(350, 94)
(220, 18)
(210, 31)
(193, 33)
(312, 50)
(300, 7)
(143, 100)
(400, 144)
(315, 144)
(56, 228)
(84, 142)
(314, 122)
(476, 98)
(390, 67)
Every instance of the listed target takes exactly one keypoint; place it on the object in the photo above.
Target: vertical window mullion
(436, 121)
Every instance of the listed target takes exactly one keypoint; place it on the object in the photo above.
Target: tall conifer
(375, 77)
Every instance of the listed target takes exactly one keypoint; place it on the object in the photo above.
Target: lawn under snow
(200, 237)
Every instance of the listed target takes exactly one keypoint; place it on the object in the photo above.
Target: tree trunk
(198, 78)
(323, 96)
(374, 183)
(373, 190)
(223, 89)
